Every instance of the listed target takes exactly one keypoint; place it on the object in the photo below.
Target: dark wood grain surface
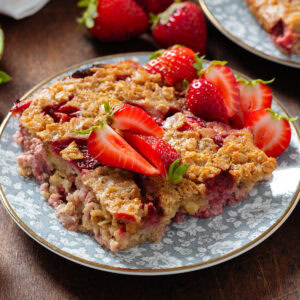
(50, 41)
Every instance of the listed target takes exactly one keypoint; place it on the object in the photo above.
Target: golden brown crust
(89, 93)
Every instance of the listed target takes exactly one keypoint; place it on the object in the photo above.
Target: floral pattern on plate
(192, 242)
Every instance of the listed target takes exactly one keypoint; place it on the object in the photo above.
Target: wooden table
(50, 41)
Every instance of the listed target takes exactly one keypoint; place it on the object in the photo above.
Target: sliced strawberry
(271, 131)
(19, 107)
(161, 154)
(255, 95)
(222, 77)
(109, 148)
(136, 120)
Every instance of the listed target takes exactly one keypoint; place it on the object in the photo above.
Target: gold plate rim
(239, 42)
(129, 271)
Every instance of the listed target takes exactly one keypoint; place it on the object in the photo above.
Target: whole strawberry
(175, 65)
(182, 23)
(113, 20)
(154, 6)
(204, 100)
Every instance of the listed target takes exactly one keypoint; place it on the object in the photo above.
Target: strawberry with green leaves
(175, 65)
(182, 23)
(113, 20)
(271, 130)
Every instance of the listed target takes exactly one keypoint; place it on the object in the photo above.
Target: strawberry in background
(182, 23)
(154, 6)
(113, 20)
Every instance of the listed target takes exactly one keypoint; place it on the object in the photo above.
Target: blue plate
(190, 245)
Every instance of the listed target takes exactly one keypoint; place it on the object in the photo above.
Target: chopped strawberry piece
(175, 65)
(156, 150)
(271, 131)
(222, 77)
(19, 107)
(110, 149)
(124, 217)
(204, 100)
(136, 120)
(61, 112)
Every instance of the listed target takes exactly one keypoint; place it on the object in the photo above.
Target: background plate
(191, 245)
(233, 19)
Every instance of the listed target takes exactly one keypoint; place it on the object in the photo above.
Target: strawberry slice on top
(271, 131)
(134, 119)
(109, 148)
(223, 78)
(175, 65)
(255, 94)
(161, 154)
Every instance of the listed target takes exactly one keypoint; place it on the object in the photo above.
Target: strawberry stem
(253, 82)
(157, 54)
(176, 171)
(278, 116)
(86, 131)
(198, 65)
(89, 14)
(163, 17)
(213, 63)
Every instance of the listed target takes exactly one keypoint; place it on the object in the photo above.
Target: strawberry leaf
(89, 14)
(176, 171)
(198, 65)
(4, 77)
(107, 107)
(253, 82)
(157, 54)
(164, 17)
(89, 130)
(278, 116)
(185, 84)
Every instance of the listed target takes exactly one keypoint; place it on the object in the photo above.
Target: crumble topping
(71, 152)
